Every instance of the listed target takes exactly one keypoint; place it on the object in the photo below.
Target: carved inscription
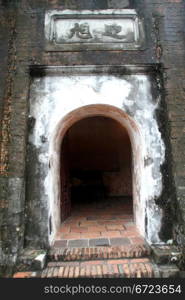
(101, 31)
(113, 31)
(81, 31)
(94, 30)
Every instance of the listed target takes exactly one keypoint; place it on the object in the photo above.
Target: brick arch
(136, 140)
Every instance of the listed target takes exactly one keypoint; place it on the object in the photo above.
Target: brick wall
(173, 44)
(168, 21)
(22, 45)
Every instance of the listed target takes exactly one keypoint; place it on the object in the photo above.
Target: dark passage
(87, 186)
(98, 167)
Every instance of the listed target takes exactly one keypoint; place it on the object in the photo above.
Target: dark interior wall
(164, 30)
(101, 145)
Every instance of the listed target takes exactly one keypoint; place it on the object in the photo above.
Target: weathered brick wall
(173, 44)
(22, 36)
(7, 62)
(168, 25)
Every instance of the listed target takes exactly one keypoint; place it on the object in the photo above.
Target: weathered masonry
(92, 107)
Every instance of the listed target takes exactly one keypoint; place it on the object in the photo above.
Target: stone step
(165, 254)
(31, 259)
(123, 268)
(97, 262)
(126, 268)
(99, 253)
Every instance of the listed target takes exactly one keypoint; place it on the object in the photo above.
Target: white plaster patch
(72, 92)
(53, 97)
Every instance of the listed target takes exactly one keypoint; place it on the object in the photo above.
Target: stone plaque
(93, 30)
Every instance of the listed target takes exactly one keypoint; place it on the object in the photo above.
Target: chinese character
(113, 30)
(81, 31)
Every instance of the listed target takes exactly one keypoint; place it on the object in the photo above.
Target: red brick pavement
(112, 218)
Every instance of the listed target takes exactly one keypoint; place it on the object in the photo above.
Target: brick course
(86, 253)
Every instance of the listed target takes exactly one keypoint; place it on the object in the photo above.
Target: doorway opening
(96, 179)
(95, 165)
(120, 213)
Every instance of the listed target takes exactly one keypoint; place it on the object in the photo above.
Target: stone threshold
(117, 241)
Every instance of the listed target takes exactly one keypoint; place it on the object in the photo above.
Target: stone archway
(132, 129)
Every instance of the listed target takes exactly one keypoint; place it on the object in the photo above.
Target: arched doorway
(96, 172)
(92, 91)
(64, 174)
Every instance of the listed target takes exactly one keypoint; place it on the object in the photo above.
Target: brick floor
(110, 219)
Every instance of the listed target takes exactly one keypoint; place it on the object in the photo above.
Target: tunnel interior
(96, 163)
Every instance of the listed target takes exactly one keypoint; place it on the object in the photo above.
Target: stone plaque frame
(71, 30)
